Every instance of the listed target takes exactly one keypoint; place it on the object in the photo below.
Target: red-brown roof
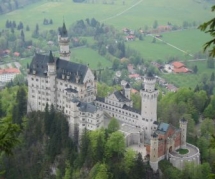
(134, 76)
(181, 70)
(178, 64)
(9, 70)
(16, 54)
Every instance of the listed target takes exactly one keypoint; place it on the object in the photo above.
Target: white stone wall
(64, 48)
(183, 127)
(7, 77)
(179, 162)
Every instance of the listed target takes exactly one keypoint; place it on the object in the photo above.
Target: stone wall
(179, 161)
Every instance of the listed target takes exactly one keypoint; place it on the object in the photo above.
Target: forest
(43, 148)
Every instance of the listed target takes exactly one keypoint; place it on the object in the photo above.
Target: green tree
(207, 127)
(102, 172)
(113, 125)
(115, 146)
(155, 24)
(68, 171)
(8, 135)
(209, 27)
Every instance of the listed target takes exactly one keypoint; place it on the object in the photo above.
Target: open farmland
(190, 41)
(131, 14)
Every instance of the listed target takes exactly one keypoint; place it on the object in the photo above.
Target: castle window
(36, 79)
(32, 79)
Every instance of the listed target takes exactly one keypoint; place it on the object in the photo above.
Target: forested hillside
(42, 148)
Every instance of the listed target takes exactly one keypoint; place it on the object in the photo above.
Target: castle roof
(63, 31)
(121, 97)
(154, 135)
(87, 107)
(127, 85)
(40, 64)
(163, 127)
(51, 57)
(128, 108)
(71, 90)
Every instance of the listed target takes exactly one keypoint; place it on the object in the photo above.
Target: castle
(72, 88)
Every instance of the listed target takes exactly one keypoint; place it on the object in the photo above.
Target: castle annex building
(72, 88)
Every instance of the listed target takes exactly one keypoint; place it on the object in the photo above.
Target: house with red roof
(8, 74)
(179, 67)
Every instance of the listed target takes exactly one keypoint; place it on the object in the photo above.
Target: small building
(130, 68)
(16, 54)
(8, 74)
(179, 67)
(130, 38)
(171, 87)
(135, 76)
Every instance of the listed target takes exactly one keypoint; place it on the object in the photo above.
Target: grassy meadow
(119, 13)
(190, 40)
(89, 56)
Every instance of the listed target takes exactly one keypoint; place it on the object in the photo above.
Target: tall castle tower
(149, 103)
(63, 41)
(52, 78)
(183, 127)
(154, 152)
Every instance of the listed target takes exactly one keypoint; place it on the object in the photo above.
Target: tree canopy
(209, 27)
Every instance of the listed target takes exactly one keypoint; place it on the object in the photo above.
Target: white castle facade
(72, 88)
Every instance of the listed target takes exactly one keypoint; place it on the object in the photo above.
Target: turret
(149, 82)
(51, 64)
(183, 127)
(63, 40)
(127, 91)
(154, 152)
(149, 103)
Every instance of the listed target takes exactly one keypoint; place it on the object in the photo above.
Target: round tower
(127, 91)
(183, 127)
(63, 40)
(154, 152)
(149, 103)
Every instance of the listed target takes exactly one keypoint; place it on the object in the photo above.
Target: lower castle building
(72, 89)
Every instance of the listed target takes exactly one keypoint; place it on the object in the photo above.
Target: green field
(190, 40)
(131, 14)
(89, 56)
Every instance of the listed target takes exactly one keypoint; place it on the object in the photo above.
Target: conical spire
(51, 58)
(64, 31)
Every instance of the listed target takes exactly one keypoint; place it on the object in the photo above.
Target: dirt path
(120, 13)
(171, 45)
